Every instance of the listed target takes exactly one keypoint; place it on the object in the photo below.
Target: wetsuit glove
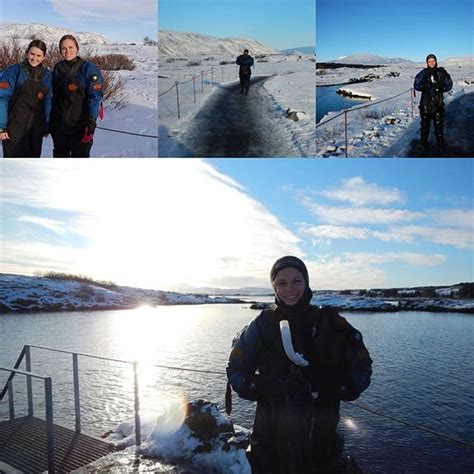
(91, 125)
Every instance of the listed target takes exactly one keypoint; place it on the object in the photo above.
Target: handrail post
(202, 82)
(11, 403)
(48, 390)
(194, 88)
(29, 385)
(77, 403)
(411, 97)
(222, 73)
(138, 436)
(177, 98)
(345, 128)
(212, 75)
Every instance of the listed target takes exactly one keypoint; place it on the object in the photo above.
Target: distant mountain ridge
(301, 49)
(47, 33)
(178, 44)
(367, 58)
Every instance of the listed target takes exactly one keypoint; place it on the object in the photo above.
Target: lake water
(423, 368)
(327, 100)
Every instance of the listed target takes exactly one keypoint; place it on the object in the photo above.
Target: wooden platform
(23, 446)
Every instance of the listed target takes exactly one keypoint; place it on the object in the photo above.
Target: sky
(279, 24)
(117, 20)
(394, 28)
(183, 224)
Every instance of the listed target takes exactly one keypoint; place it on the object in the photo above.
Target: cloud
(454, 237)
(453, 217)
(357, 191)
(410, 258)
(153, 223)
(332, 232)
(106, 10)
(358, 215)
(50, 224)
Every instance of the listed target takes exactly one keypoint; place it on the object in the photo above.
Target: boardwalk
(23, 446)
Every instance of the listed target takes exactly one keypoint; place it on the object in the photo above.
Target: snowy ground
(389, 129)
(25, 293)
(290, 85)
(138, 116)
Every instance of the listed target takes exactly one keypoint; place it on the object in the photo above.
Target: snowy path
(458, 130)
(231, 124)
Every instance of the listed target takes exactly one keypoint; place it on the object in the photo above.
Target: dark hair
(69, 37)
(246, 50)
(37, 44)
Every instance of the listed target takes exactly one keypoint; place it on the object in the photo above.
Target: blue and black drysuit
(432, 83)
(25, 105)
(77, 96)
(245, 62)
(297, 412)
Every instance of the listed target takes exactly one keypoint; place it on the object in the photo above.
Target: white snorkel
(295, 357)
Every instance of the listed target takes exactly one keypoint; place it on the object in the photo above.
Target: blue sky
(280, 24)
(117, 20)
(394, 28)
(177, 224)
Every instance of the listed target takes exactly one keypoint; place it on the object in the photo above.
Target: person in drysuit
(432, 82)
(298, 389)
(77, 95)
(25, 104)
(245, 61)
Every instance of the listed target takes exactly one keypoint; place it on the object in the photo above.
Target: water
(422, 373)
(327, 100)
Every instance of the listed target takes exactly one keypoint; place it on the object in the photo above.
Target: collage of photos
(271, 271)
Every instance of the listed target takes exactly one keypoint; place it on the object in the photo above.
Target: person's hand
(4, 136)
(90, 126)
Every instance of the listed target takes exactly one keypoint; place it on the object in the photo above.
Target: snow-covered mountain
(461, 61)
(303, 49)
(47, 33)
(367, 58)
(179, 44)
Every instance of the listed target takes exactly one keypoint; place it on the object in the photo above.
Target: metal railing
(190, 93)
(345, 112)
(48, 395)
(26, 353)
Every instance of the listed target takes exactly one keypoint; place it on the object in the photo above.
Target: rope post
(48, 390)
(411, 97)
(202, 82)
(345, 129)
(212, 75)
(177, 98)
(194, 88)
(29, 385)
(77, 404)
(11, 403)
(138, 435)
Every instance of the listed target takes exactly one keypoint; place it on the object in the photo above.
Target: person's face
(289, 285)
(431, 63)
(69, 49)
(35, 56)
(246, 53)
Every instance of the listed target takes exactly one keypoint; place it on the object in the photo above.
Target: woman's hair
(37, 44)
(69, 37)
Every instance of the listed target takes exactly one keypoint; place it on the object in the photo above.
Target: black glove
(91, 124)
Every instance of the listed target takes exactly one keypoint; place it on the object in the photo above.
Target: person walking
(432, 82)
(298, 362)
(25, 104)
(245, 61)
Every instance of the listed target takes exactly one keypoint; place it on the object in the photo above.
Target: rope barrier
(361, 107)
(370, 410)
(127, 133)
